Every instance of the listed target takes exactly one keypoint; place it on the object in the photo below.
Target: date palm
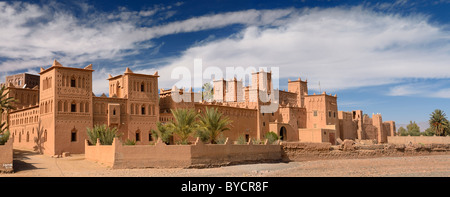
(6, 103)
(184, 123)
(212, 123)
(438, 122)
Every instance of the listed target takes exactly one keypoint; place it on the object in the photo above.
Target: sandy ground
(28, 164)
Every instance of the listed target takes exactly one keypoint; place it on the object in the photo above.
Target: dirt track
(30, 164)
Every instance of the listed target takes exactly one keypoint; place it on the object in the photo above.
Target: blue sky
(388, 57)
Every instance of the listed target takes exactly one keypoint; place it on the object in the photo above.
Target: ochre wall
(167, 156)
(6, 156)
(418, 139)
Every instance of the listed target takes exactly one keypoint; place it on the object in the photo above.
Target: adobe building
(64, 104)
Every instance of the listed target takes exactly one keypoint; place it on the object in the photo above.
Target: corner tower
(65, 107)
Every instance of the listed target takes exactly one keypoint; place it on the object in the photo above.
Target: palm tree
(162, 132)
(208, 92)
(6, 103)
(438, 122)
(184, 123)
(212, 123)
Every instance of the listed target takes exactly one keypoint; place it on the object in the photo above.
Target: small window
(315, 112)
(334, 114)
(142, 87)
(329, 114)
(247, 137)
(73, 83)
(143, 110)
(138, 136)
(73, 136)
(264, 124)
(73, 107)
(272, 113)
(150, 136)
(114, 112)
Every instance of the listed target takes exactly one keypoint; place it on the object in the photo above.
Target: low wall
(6, 156)
(198, 155)
(419, 139)
(301, 151)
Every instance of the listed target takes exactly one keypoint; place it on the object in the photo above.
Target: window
(150, 136)
(73, 83)
(73, 136)
(329, 114)
(73, 107)
(264, 124)
(247, 137)
(114, 112)
(315, 112)
(143, 110)
(334, 114)
(142, 87)
(138, 136)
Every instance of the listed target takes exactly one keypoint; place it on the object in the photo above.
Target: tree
(402, 131)
(6, 104)
(438, 122)
(271, 137)
(212, 123)
(413, 128)
(184, 123)
(162, 132)
(429, 132)
(4, 134)
(208, 92)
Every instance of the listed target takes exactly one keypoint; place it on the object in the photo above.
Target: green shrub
(129, 142)
(221, 139)
(4, 137)
(257, 142)
(271, 137)
(105, 134)
(241, 140)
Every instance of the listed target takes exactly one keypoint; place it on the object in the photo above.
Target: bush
(271, 137)
(221, 139)
(129, 142)
(4, 137)
(241, 140)
(105, 134)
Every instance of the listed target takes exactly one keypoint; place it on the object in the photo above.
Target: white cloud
(340, 47)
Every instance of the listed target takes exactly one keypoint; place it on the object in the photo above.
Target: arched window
(138, 136)
(73, 135)
(143, 110)
(73, 82)
(73, 107)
